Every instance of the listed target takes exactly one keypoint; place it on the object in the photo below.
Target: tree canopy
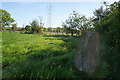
(5, 18)
(75, 23)
(107, 23)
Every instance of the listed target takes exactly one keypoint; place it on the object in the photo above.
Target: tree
(28, 28)
(82, 23)
(62, 30)
(5, 18)
(22, 30)
(74, 23)
(35, 26)
(65, 28)
(49, 29)
(90, 24)
(14, 27)
(98, 13)
(108, 26)
(58, 29)
(42, 30)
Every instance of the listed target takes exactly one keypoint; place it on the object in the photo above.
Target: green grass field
(38, 56)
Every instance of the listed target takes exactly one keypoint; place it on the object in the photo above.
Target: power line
(49, 15)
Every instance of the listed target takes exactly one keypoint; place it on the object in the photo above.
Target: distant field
(38, 56)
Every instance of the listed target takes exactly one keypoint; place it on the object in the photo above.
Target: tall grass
(38, 56)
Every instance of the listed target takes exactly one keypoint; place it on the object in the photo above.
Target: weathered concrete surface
(87, 57)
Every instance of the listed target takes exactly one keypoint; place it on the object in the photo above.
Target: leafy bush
(109, 28)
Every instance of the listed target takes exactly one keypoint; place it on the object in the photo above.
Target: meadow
(39, 56)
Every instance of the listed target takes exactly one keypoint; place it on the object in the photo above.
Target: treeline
(7, 23)
(31, 30)
(75, 24)
(107, 23)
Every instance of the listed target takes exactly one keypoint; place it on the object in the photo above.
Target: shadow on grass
(56, 36)
(48, 63)
(60, 36)
(56, 64)
(69, 41)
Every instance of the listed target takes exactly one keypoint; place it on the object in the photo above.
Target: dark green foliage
(14, 27)
(109, 28)
(49, 29)
(58, 29)
(35, 26)
(28, 28)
